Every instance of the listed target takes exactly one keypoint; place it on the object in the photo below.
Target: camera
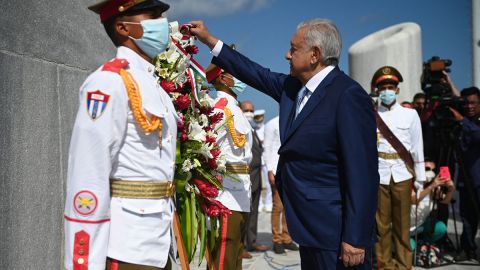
(439, 94)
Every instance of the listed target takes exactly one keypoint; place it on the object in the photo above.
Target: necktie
(301, 100)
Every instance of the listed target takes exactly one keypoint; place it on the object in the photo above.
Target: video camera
(439, 94)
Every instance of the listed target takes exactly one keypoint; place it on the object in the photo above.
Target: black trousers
(469, 217)
(251, 237)
(320, 259)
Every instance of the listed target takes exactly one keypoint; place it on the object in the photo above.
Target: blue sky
(262, 29)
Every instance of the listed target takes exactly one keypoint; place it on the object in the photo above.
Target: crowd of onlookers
(443, 138)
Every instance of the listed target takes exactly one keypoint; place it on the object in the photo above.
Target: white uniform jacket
(405, 124)
(236, 195)
(272, 144)
(107, 143)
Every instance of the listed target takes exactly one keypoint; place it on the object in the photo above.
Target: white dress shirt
(272, 144)
(405, 124)
(113, 146)
(310, 87)
(237, 193)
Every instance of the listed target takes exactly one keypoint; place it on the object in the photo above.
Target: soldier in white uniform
(235, 141)
(118, 209)
(394, 195)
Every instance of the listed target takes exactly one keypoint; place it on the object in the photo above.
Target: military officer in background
(118, 208)
(235, 141)
(256, 182)
(397, 171)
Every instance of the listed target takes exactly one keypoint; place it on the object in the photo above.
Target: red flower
(219, 178)
(184, 137)
(192, 49)
(215, 118)
(207, 110)
(168, 86)
(214, 208)
(183, 102)
(180, 125)
(210, 140)
(206, 188)
(212, 164)
(215, 153)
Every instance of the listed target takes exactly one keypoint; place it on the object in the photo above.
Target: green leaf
(202, 221)
(186, 225)
(194, 226)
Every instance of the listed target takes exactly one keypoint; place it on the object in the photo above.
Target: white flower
(172, 56)
(212, 134)
(203, 120)
(221, 163)
(163, 56)
(163, 72)
(206, 100)
(187, 165)
(196, 132)
(205, 150)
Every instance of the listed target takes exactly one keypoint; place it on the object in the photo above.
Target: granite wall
(47, 48)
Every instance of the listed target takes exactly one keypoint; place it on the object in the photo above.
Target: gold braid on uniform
(146, 123)
(238, 141)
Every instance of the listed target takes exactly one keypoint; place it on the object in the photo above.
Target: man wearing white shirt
(235, 141)
(393, 214)
(280, 237)
(119, 206)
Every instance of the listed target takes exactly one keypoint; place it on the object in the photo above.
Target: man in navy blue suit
(327, 174)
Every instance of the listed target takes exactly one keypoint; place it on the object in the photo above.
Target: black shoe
(290, 246)
(465, 256)
(278, 248)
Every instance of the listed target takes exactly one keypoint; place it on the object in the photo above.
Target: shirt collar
(135, 60)
(382, 108)
(315, 81)
(230, 98)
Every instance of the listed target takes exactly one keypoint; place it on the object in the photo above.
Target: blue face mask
(155, 36)
(387, 97)
(238, 86)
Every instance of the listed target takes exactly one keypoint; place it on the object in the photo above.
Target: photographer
(469, 180)
(437, 191)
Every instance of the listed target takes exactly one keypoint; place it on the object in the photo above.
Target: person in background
(469, 178)
(396, 174)
(235, 142)
(256, 180)
(259, 126)
(407, 104)
(280, 236)
(425, 224)
(419, 102)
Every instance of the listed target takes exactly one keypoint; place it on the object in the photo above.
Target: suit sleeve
(251, 73)
(358, 168)
(97, 134)
(471, 132)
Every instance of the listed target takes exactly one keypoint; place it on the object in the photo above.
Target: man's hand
(199, 30)
(456, 115)
(271, 179)
(351, 255)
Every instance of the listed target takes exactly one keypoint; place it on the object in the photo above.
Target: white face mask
(430, 175)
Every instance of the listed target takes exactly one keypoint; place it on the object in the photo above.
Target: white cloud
(213, 7)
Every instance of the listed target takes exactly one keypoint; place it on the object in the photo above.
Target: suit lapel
(312, 102)
(287, 113)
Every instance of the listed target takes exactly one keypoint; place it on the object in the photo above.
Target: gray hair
(323, 34)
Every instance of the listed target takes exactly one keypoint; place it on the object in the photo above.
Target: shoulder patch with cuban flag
(97, 101)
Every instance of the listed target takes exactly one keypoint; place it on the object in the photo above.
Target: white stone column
(399, 46)
(476, 42)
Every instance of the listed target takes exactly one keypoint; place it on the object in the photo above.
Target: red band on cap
(386, 77)
(213, 74)
(111, 8)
